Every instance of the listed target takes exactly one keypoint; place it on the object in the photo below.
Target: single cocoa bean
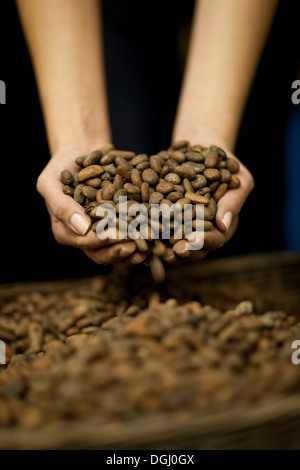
(150, 176)
(92, 158)
(196, 198)
(212, 174)
(232, 165)
(164, 187)
(234, 182)
(90, 172)
(222, 189)
(66, 177)
(68, 190)
(136, 177)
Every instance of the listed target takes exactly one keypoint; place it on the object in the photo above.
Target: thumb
(63, 207)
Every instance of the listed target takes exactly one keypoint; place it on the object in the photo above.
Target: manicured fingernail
(80, 223)
(227, 220)
(126, 250)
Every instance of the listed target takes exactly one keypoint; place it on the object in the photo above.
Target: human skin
(65, 42)
(226, 43)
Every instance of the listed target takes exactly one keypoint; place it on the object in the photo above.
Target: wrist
(204, 134)
(77, 146)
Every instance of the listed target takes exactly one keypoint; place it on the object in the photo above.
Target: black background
(28, 249)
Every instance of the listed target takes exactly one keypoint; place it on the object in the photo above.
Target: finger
(134, 260)
(112, 254)
(216, 239)
(196, 255)
(230, 205)
(63, 207)
(90, 241)
(171, 258)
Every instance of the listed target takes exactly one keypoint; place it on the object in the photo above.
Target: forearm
(64, 39)
(226, 42)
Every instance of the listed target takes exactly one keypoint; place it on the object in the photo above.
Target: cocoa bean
(66, 177)
(150, 176)
(90, 172)
(232, 165)
(212, 174)
(196, 198)
(92, 158)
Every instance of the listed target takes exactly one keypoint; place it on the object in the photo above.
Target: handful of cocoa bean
(185, 175)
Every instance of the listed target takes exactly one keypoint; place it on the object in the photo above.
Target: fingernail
(170, 259)
(227, 220)
(80, 223)
(137, 259)
(126, 251)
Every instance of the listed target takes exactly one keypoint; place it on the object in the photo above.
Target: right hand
(70, 224)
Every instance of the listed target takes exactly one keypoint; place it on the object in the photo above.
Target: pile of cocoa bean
(101, 349)
(186, 174)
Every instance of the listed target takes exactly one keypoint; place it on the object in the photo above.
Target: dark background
(143, 76)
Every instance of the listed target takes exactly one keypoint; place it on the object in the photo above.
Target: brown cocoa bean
(212, 159)
(234, 182)
(108, 191)
(194, 157)
(123, 172)
(222, 189)
(188, 187)
(89, 192)
(178, 156)
(164, 171)
(157, 269)
(94, 183)
(174, 196)
(78, 196)
(143, 166)
(155, 163)
(110, 169)
(118, 182)
(68, 190)
(172, 178)
(141, 158)
(79, 160)
(164, 187)
(186, 172)
(99, 197)
(150, 176)
(92, 158)
(225, 176)
(180, 144)
(172, 164)
(156, 198)
(66, 177)
(132, 189)
(136, 177)
(232, 165)
(196, 198)
(212, 174)
(207, 225)
(90, 172)
(199, 182)
(107, 159)
(145, 192)
(118, 194)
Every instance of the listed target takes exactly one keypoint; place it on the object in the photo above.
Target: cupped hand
(227, 217)
(70, 224)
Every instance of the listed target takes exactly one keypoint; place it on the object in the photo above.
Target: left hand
(227, 219)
